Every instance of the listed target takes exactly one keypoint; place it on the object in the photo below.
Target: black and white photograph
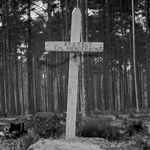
(74, 74)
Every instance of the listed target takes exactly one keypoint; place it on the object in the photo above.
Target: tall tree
(106, 53)
(147, 4)
(3, 58)
(134, 58)
(83, 80)
(29, 60)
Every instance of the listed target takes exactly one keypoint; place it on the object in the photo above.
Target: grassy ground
(109, 129)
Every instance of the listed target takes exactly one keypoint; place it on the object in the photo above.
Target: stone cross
(74, 46)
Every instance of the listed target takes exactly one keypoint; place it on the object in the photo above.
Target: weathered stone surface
(63, 145)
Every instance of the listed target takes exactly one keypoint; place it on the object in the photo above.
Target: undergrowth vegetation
(100, 129)
(48, 128)
(142, 141)
(136, 127)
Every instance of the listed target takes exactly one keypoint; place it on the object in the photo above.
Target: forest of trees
(33, 80)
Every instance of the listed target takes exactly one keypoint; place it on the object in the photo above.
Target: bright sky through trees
(39, 8)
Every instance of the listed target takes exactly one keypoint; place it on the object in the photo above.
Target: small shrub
(132, 115)
(117, 115)
(109, 132)
(48, 128)
(125, 122)
(89, 129)
(135, 127)
(53, 129)
(101, 129)
(142, 141)
(24, 142)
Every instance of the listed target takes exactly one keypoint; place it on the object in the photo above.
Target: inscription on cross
(74, 46)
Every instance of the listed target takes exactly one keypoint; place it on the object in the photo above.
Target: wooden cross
(74, 46)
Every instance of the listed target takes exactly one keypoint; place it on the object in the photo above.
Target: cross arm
(74, 46)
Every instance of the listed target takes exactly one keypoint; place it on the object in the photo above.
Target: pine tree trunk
(147, 4)
(3, 61)
(134, 59)
(105, 58)
(17, 83)
(29, 61)
(83, 38)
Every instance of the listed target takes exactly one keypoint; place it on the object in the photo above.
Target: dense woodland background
(31, 80)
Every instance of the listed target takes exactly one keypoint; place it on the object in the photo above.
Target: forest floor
(46, 130)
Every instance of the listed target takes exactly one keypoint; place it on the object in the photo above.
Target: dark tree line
(31, 80)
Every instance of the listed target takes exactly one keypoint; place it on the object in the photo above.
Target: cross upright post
(73, 76)
(74, 46)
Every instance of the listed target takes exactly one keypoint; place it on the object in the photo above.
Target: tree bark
(147, 4)
(29, 61)
(83, 39)
(134, 58)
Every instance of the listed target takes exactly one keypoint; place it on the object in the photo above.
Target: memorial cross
(74, 46)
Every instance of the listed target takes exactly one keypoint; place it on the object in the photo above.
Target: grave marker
(74, 46)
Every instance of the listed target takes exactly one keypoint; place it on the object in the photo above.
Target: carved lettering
(74, 46)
